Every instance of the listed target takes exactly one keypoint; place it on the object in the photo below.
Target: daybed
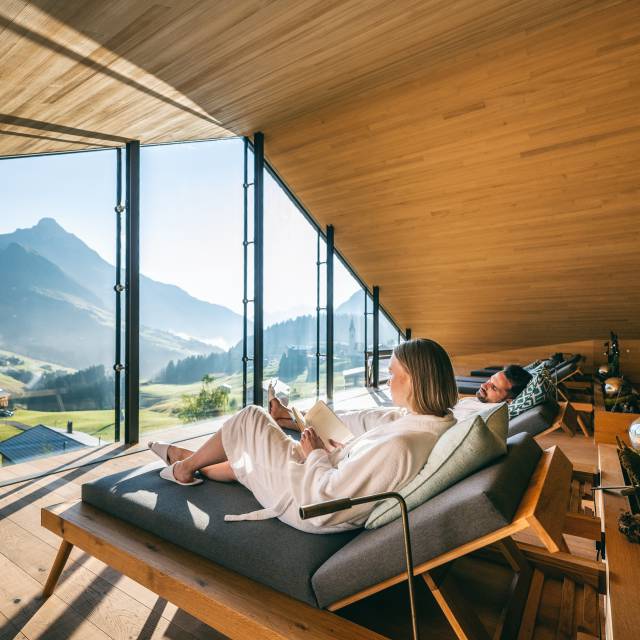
(270, 580)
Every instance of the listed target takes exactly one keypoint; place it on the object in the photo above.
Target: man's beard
(482, 398)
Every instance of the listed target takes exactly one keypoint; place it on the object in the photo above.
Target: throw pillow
(539, 389)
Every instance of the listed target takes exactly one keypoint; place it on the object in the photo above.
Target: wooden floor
(93, 601)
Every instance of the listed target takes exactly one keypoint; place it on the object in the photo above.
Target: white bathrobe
(390, 448)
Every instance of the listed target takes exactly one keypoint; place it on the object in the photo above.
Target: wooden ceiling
(479, 159)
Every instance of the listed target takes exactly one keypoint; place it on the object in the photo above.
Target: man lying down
(284, 474)
(503, 386)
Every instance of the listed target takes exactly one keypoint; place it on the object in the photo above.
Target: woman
(283, 474)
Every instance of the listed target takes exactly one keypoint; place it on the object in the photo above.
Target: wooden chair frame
(240, 607)
(568, 420)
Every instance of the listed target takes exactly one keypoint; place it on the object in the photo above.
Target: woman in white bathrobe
(390, 447)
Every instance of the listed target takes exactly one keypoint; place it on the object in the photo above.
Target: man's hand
(309, 441)
(335, 444)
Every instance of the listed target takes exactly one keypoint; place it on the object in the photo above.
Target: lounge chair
(561, 371)
(269, 580)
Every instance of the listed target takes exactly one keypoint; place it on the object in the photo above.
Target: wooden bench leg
(57, 567)
(511, 617)
(459, 614)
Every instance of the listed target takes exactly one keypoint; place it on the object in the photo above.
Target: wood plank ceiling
(479, 159)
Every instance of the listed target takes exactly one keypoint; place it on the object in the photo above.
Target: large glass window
(57, 333)
(57, 257)
(348, 350)
(290, 295)
(191, 283)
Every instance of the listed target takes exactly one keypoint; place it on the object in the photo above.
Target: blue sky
(191, 220)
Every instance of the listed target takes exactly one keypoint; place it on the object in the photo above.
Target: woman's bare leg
(175, 453)
(211, 453)
(221, 471)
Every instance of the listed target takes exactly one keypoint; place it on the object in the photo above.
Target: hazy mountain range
(58, 305)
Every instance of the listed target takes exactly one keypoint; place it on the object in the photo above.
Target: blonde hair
(433, 383)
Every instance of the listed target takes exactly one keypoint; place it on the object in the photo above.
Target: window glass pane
(290, 294)
(348, 350)
(57, 257)
(191, 287)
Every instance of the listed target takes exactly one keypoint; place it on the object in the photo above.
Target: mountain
(47, 315)
(162, 306)
(353, 306)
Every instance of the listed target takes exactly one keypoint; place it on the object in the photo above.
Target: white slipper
(161, 449)
(271, 392)
(167, 474)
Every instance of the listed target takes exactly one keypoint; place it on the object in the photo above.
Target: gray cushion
(479, 504)
(535, 420)
(468, 387)
(564, 370)
(474, 379)
(267, 551)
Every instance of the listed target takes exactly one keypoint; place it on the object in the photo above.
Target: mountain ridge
(163, 306)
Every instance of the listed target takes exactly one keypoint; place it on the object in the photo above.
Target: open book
(325, 423)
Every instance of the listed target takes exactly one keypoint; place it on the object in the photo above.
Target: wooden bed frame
(240, 607)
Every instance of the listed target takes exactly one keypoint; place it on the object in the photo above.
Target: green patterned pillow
(539, 389)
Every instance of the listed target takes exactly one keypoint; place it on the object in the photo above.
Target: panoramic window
(57, 340)
(191, 282)
(348, 350)
(291, 296)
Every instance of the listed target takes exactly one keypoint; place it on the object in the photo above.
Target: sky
(191, 220)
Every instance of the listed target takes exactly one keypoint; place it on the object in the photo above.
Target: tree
(207, 403)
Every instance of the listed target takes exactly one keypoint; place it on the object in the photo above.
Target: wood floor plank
(528, 624)
(567, 603)
(8, 631)
(588, 619)
(21, 603)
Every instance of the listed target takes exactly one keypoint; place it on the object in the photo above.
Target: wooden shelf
(606, 424)
(622, 557)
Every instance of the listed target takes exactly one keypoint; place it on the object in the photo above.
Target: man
(502, 386)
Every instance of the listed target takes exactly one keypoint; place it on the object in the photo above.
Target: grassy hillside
(7, 431)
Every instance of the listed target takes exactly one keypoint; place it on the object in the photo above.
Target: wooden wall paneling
(506, 224)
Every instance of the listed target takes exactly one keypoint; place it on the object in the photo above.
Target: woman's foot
(169, 453)
(282, 415)
(181, 472)
(179, 476)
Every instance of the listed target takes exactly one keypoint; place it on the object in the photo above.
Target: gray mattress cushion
(480, 504)
(267, 551)
(564, 370)
(468, 387)
(534, 420)
(474, 379)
